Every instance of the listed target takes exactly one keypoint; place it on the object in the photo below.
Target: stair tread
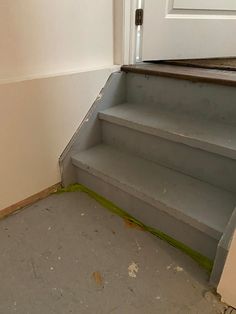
(202, 205)
(198, 132)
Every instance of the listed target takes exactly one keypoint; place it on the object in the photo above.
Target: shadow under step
(203, 208)
(208, 135)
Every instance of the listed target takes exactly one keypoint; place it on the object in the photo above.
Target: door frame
(127, 36)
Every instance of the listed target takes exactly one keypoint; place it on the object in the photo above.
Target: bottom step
(187, 209)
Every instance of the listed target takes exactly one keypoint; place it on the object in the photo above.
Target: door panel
(205, 4)
(185, 29)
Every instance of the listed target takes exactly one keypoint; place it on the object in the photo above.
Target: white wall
(48, 41)
(118, 13)
(38, 118)
(44, 37)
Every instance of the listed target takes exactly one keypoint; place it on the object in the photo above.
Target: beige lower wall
(38, 118)
(227, 286)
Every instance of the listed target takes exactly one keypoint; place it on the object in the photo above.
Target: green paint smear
(199, 258)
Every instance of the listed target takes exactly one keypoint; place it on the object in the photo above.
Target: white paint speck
(138, 245)
(99, 97)
(49, 228)
(83, 214)
(52, 268)
(133, 270)
(59, 258)
(179, 269)
(158, 298)
(14, 308)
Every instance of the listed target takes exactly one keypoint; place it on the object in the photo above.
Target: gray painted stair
(187, 199)
(164, 150)
(176, 126)
(173, 140)
(200, 164)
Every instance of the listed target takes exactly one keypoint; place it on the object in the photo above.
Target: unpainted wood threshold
(184, 72)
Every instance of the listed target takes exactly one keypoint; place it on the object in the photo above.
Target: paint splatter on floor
(178, 269)
(131, 225)
(98, 278)
(90, 255)
(133, 270)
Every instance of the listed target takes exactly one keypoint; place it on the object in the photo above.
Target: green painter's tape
(199, 258)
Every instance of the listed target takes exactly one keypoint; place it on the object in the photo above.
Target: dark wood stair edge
(183, 72)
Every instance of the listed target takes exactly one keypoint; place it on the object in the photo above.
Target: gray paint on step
(217, 170)
(150, 215)
(215, 137)
(207, 114)
(192, 201)
(207, 101)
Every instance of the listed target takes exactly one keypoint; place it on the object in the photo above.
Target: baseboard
(28, 201)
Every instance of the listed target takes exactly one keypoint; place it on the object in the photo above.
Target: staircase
(164, 150)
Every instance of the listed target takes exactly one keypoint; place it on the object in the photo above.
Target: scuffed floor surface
(67, 254)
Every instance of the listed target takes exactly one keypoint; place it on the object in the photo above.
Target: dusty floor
(67, 254)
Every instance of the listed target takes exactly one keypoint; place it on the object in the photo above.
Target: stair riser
(151, 216)
(209, 167)
(200, 99)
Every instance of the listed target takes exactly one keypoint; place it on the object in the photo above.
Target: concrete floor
(67, 254)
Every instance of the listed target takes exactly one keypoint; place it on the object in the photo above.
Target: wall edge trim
(29, 201)
(21, 79)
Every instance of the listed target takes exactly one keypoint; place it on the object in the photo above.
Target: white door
(184, 29)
